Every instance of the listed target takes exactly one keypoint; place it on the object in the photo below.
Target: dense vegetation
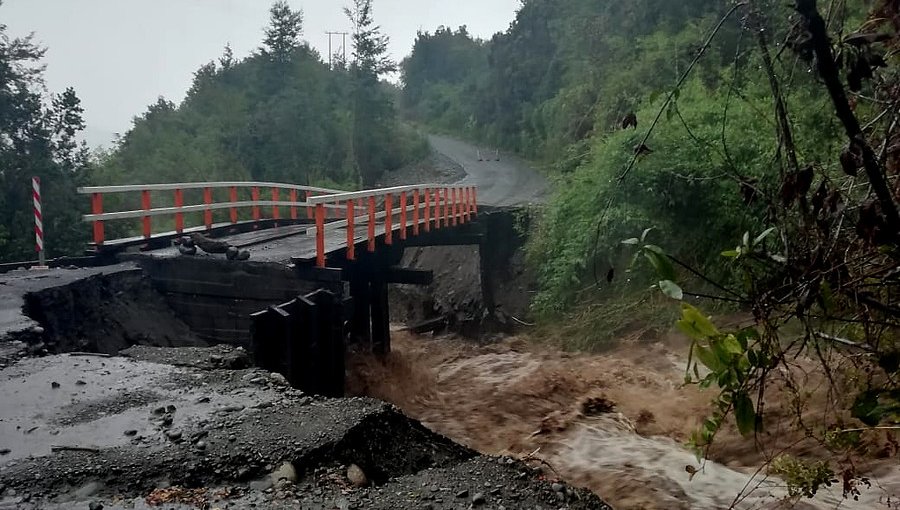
(280, 115)
(37, 138)
(730, 152)
(558, 86)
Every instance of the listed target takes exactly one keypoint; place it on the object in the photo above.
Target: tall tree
(36, 140)
(283, 33)
(227, 59)
(373, 113)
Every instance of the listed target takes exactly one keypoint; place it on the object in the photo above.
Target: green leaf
(744, 413)
(745, 242)
(634, 241)
(646, 232)
(660, 262)
(874, 406)
(732, 254)
(745, 335)
(760, 238)
(709, 360)
(732, 345)
(695, 325)
(671, 289)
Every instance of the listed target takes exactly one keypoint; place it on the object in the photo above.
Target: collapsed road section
(110, 400)
(81, 431)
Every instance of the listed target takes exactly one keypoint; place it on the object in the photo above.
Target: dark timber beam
(381, 321)
(409, 276)
(317, 274)
(361, 322)
(443, 240)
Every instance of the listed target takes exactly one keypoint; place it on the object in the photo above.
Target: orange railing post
(468, 204)
(371, 224)
(437, 208)
(276, 212)
(389, 219)
(351, 236)
(233, 197)
(254, 195)
(403, 216)
(97, 208)
(427, 210)
(207, 214)
(293, 207)
(179, 216)
(446, 207)
(309, 210)
(320, 235)
(463, 204)
(475, 200)
(454, 207)
(416, 212)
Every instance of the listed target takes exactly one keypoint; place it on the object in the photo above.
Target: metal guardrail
(421, 207)
(98, 216)
(450, 205)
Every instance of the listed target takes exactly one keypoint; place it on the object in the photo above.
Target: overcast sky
(120, 55)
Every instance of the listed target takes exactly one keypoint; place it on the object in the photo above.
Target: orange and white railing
(407, 209)
(289, 196)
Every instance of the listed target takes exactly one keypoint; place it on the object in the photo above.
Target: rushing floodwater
(514, 399)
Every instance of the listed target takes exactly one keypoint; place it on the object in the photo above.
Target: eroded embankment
(116, 430)
(195, 425)
(105, 313)
(478, 289)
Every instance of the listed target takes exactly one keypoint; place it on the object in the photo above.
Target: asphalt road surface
(504, 183)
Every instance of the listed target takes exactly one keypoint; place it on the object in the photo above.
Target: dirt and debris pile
(436, 168)
(199, 433)
(104, 313)
(477, 289)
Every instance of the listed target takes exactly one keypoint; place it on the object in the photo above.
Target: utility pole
(330, 52)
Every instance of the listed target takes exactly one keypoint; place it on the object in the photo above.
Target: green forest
(560, 87)
(279, 115)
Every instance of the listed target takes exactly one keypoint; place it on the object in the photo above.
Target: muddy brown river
(534, 403)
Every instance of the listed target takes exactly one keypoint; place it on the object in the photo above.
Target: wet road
(504, 183)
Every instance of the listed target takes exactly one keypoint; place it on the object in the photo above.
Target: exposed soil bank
(478, 289)
(105, 314)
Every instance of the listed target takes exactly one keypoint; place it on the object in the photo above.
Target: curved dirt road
(508, 182)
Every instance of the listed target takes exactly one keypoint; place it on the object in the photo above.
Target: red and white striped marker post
(38, 222)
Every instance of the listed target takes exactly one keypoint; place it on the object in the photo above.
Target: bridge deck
(282, 244)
